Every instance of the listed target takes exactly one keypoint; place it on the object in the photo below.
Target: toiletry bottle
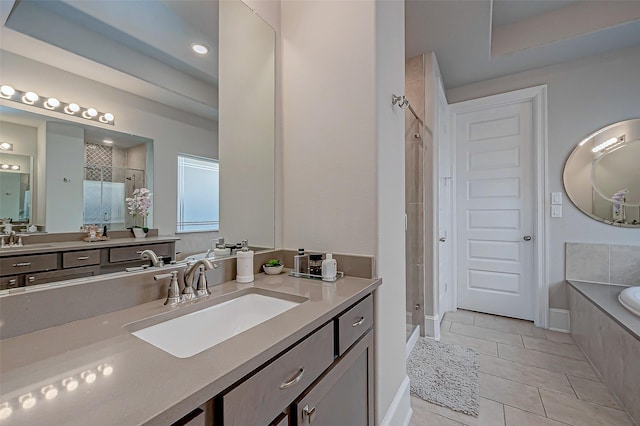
(244, 264)
(329, 268)
(301, 262)
(315, 264)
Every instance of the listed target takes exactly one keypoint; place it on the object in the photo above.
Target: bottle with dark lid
(315, 264)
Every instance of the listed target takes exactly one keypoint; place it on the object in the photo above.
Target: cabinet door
(344, 394)
(263, 396)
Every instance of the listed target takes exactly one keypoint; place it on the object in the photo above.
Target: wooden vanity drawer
(13, 281)
(62, 274)
(266, 394)
(354, 323)
(26, 264)
(122, 254)
(73, 259)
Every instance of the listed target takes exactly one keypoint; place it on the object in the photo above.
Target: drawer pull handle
(21, 264)
(359, 322)
(13, 281)
(294, 380)
(82, 258)
(309, 412)
(31, 279)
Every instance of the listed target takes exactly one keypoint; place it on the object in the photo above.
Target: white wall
(22, 137)
(393, 403)
(247, 130)
(329, 133)
(583, 96)
(343, 163)
(64, 176)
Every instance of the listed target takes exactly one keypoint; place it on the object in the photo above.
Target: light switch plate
(556, 211)
(556, 198)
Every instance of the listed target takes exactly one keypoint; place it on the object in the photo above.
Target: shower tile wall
(414, 191)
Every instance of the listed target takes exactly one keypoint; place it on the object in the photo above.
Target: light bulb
(30, 97)
(72, 108)
(89, 376)
(5, 410)
(4, 166)
(6, 146)
(200, 49)
(49, 392)
(27, 401)
(52, 103)
(106, 118)
(7, 91)
(15, 167)
(92, 112)
(105, 369)
(70, 384)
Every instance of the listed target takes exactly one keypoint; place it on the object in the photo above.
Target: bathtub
(609, 335)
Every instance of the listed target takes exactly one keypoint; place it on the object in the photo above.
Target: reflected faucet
(152, 256)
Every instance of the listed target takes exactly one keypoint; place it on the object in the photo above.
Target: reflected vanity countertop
(605, 298)
(60, 372)
(82, 245)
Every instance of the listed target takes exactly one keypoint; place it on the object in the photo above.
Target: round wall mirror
(602, 174)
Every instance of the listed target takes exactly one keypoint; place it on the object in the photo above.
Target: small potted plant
(139, 206)
(272, 267)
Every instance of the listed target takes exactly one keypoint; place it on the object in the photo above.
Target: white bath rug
(445, 374)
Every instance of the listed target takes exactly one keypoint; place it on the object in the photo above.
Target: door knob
(527, 238)
(442, 239)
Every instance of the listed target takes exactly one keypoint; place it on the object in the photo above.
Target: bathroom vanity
(312, 363)
(46, 262)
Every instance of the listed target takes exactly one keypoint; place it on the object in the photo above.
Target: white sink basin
(192, 333)
(630, 299)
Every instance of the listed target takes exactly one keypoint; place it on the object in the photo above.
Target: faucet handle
(203, 289)
(173, 296)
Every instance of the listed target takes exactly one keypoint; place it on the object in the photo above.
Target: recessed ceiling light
(200, 49)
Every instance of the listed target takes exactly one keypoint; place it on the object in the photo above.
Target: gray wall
(583, 96)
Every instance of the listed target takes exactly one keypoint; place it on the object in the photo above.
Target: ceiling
(483, 39)
(141, 46)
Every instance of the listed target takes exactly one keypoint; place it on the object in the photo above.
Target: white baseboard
(559, 320)
(411, 341)
(432, 327)
(399, 412)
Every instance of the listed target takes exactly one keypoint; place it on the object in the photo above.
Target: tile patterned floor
(528, 377)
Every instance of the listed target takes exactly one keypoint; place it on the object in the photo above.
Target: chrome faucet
(152, 256)
(173, 296)
(199, 266)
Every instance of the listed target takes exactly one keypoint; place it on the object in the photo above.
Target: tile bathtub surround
(613, 351)
(603, 263)
(537, 381)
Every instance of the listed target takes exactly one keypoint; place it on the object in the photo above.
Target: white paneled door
(494, 201)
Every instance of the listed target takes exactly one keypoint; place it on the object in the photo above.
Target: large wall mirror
(602, 175)
(136, 59)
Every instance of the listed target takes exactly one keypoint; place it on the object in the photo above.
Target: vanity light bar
(13, 167)
(54, 104)
(606, 144)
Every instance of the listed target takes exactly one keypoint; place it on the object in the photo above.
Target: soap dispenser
(244, 263)
(329, 268)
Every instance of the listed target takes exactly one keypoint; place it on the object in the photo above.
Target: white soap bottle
(329, 268)
(244, 264)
